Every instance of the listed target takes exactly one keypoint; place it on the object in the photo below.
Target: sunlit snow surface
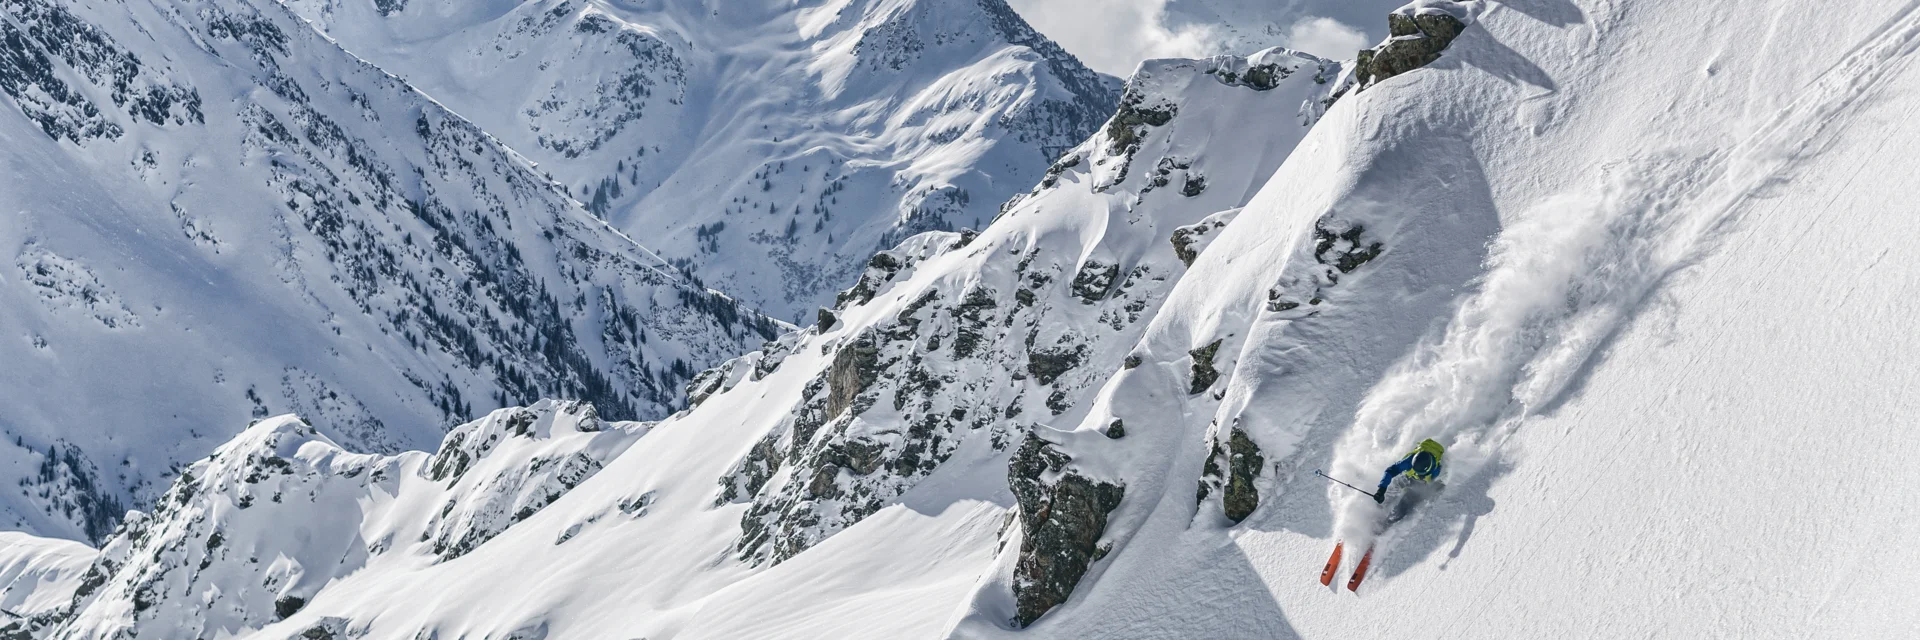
(1642, 271)
(769, 146)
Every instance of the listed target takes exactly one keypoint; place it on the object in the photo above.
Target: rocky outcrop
(1414, 41)
(1138, 111)
(1190, 239)
(1340, 247)
(1238, 495)
(855, 369)
(1416, 34)
(1204, 375)
(1094, 280)
(1062, 517)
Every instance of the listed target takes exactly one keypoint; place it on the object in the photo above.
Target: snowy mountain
(1635, 263)
(213, 212)
(770, 147)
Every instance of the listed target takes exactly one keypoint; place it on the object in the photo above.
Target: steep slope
(768, 146)
(1645, 281)
(213, 212)
(910, 399)
(1587, 212)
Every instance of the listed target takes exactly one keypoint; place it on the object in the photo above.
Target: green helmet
(1426, 460)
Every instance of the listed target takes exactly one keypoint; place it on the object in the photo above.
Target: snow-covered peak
(223, 214)
(767, 147)
(251, 534)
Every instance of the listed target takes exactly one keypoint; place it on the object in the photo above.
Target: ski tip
(1333, 565)
(1360, 571)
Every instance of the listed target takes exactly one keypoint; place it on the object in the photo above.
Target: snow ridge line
(1571, 272)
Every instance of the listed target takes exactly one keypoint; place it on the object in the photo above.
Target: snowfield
(1638, 264)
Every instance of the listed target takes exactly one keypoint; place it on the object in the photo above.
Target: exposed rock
(855, 368)
(288, 606)
(1244, 463)
(1204, 374)
(1128, 126)
(1123, 131)
(480, 510)
(881, 269)
(1195, 185)
(1047, 365)
(1060, 166)
(1189, 240)
(1061, 523)
(1116, 430)
(1094, 280)
(1342, 248)
(1415, 39)
(328, 628)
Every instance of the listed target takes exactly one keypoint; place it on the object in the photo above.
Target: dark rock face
(1046, 365)
(1061, 524)
(288, 606)
(1128, 125)
(1190, 239)
(1094, 280)
(1244, 463)
(1344, 249)
(1258, 77)
(1415, 41)
(855, 368)
(1204, 375)
(1340, 247)
(881, 269)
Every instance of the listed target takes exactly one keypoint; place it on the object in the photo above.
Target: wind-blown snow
(1640, 265)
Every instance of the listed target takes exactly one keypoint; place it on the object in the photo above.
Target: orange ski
(1333, 564)
(1360, 572)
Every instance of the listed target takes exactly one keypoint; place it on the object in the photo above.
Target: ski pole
(1368, 493)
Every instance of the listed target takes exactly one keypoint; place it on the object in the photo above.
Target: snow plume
(1566, 275)
(1558, 282)
(1113, 36)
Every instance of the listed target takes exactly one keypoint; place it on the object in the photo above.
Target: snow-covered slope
(211, 211)
(918, 390)
(1638, 264)
(768, 146)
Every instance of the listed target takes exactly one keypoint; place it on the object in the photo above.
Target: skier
(1422, 464)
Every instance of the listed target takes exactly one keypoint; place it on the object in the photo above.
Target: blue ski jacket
(1415, 466)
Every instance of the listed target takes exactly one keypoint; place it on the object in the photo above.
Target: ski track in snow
(1559, 285)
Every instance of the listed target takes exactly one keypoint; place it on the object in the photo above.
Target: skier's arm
(1398, 468)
